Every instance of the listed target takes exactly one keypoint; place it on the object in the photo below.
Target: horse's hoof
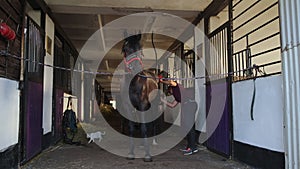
(130, 157)
(148, 159)
(154, 142)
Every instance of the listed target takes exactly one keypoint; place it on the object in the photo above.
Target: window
(34, 48)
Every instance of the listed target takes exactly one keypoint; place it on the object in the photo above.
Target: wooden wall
(11, 12)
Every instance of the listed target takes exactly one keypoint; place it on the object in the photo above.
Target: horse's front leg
(131, 136)
(147, 157)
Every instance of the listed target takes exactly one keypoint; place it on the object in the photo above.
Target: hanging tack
(7, 32)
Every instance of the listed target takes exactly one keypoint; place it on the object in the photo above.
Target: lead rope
(256, 68)
(69, 99)
(253, 96)
(152, 37)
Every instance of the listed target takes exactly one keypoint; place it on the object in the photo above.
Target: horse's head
(132, 50)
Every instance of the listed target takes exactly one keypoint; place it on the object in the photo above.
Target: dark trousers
(191, 138)
(188, 110)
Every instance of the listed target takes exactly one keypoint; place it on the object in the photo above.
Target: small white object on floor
(97, 135)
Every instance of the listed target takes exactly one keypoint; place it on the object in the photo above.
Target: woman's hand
(172, 104)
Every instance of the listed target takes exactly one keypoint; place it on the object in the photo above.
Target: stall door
(33, 89)
(218, 86)
(219, 141)
(34, 130)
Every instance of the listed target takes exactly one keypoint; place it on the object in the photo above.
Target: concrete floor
(91, 156)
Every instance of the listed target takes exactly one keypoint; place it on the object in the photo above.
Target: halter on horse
(142, 83)
(133, 54)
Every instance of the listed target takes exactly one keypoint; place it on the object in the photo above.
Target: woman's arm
(170, 104)
(168, 82)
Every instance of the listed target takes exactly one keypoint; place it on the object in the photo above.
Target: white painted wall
(10, 106)
(217, 21)
(33, 14)
(200, 89)
(266, 130)
(48, 78)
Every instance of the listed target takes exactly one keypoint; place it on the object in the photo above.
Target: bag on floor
(69, 120)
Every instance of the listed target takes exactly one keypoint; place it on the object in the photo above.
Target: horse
(140, 85)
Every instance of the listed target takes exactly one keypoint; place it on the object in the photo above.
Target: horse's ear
(139, 36)
(125, 34)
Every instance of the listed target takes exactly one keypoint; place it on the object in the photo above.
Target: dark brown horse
(140, 85)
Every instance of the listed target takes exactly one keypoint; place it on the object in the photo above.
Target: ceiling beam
(77, 26)
(143, 5)
(111, 11)
(102, 38)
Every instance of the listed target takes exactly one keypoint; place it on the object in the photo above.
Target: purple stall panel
(34, 119)
(219, 141)
(58, 114)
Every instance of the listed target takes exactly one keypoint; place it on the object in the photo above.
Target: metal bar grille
(218, 52)
(242, 61)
